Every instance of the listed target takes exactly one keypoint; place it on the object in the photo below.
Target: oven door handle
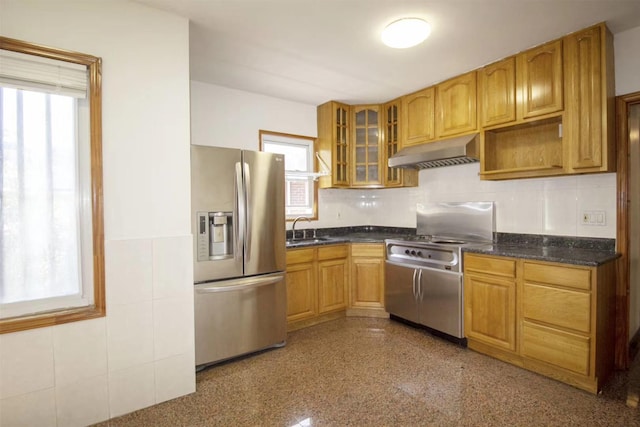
(415, 292)
(407, 262)
(417, 267)
(439, 270)
(420, 291)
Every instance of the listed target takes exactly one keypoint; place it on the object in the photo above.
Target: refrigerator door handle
(241, 209)
(238, 284)
(247, 198)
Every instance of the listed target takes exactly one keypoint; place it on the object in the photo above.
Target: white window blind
(44, 186)
(29, 72)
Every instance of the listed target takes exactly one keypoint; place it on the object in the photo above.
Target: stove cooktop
(437, 241)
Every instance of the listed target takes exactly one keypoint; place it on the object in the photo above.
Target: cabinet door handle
(415, 293)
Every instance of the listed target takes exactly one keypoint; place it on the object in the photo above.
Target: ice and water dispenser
(215, 235)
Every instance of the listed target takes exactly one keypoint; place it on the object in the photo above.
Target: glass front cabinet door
(366, 152)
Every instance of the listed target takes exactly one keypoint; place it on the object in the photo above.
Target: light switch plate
(594, 218)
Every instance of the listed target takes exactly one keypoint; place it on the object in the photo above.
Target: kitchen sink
(308, 240)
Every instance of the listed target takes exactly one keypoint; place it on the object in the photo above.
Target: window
(301, 190)
(51, 236)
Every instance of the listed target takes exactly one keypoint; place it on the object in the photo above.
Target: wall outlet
(594, 218)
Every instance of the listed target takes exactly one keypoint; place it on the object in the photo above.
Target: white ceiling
(312, 51)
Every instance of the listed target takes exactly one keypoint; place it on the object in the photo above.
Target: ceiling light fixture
(406, 32)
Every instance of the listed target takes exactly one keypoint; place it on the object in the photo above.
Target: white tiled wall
(155, 329)
(140, 354)
(75, 362)
(532, 206)
(131, 388)
(26, 362)
(83, 402)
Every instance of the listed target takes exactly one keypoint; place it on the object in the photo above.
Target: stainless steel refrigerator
(238, 225)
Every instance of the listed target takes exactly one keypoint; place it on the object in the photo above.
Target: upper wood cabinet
(497, 87)
(523, 150)
(522, 88)
(333, 143)
(539, 78)
(418, 117)
(456, 106)
(521, 111)
(356, 141)
(391, 119)
(366, 155)
(547, 111)
(392, 136)
(565, 110)
(589, 111)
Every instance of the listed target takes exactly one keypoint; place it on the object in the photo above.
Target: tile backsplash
(552, 206)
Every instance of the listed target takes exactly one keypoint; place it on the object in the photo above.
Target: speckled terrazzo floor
(378, 372)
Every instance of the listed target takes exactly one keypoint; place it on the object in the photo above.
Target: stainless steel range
(424, 282)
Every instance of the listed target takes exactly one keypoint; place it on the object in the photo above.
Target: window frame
(261, 133)
(98, 308)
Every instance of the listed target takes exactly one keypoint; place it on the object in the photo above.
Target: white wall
(141, 353)
(232, 118)
(627, 61)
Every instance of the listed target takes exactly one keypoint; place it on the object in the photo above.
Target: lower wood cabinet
(317, 284)
(333, 278)
(490, 302)
(557, 348)
(330, 281)
(554, 319)
(301, 285)
(367, 278)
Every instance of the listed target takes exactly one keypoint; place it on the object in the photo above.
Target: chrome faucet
(293, 227)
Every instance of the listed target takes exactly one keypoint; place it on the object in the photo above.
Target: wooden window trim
(261, 132)
(98, 309)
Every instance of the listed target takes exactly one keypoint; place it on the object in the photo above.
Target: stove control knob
(413, 252)
(407, 252)
(419, 253)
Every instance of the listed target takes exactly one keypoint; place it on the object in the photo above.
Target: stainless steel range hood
(446, 152)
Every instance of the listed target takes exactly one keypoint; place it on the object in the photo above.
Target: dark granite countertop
(568, 250)
(577, 256)
(303, 243)
(361, 234)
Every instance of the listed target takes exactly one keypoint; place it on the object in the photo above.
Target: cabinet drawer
(571, 277)
(332, 252)
(561, 349)
(296, 256)
(490, 265)
(374, 250)
(560, 307)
